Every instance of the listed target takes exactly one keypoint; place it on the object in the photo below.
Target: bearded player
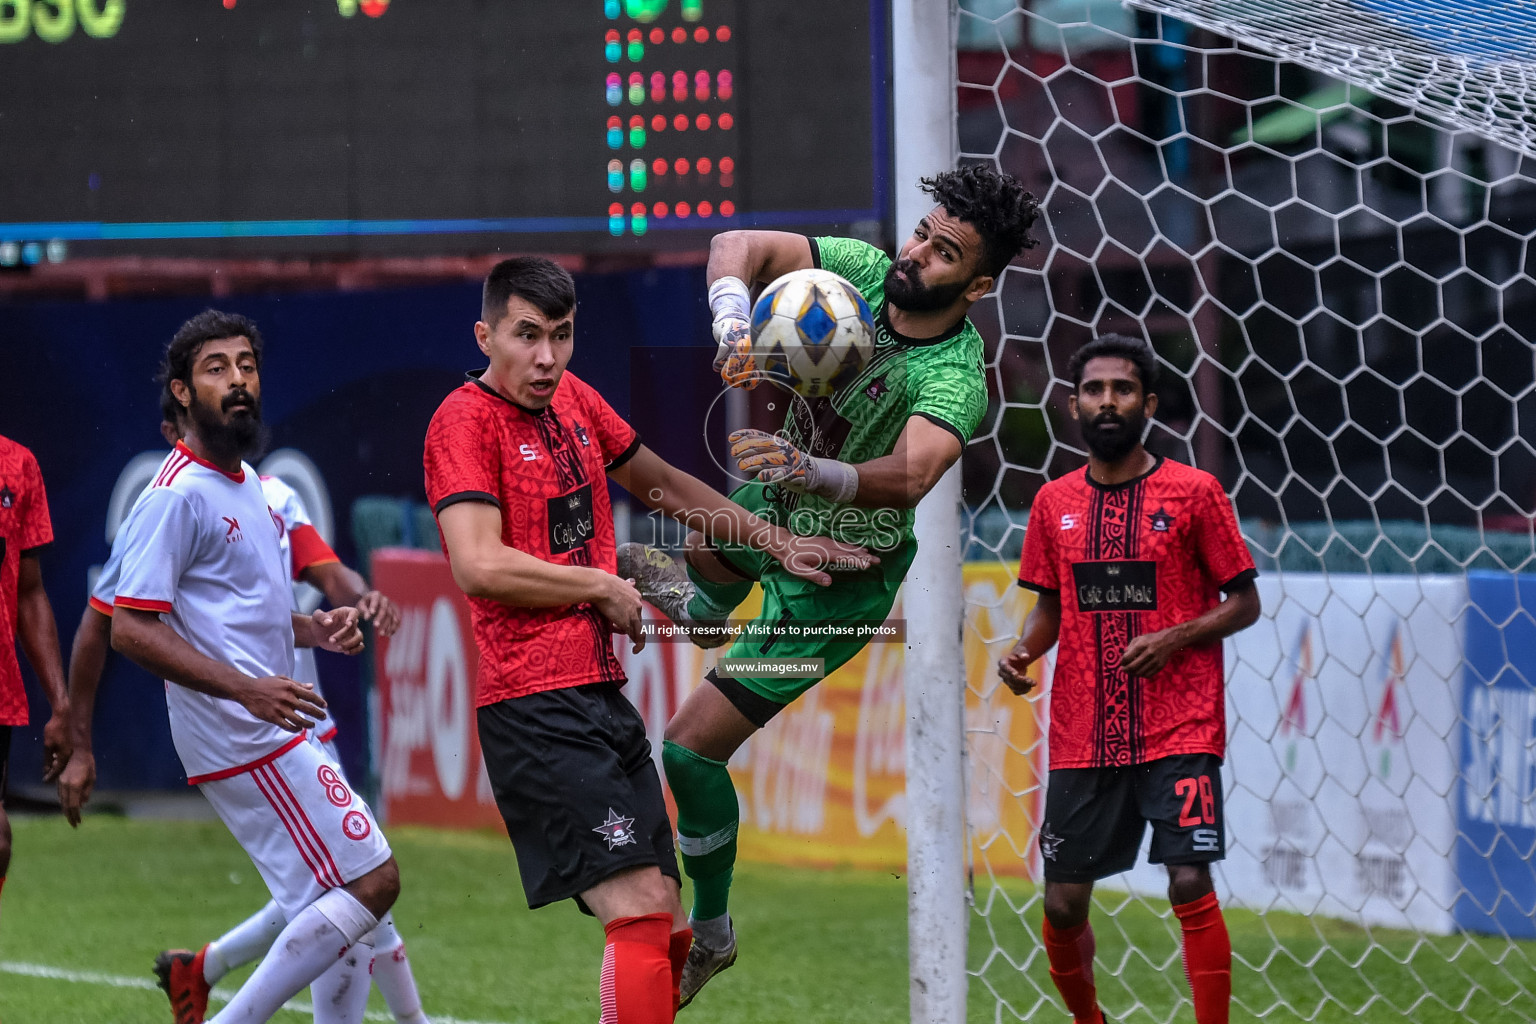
(202, 600)
(1129, 557)
(187, 976)
(852, 466)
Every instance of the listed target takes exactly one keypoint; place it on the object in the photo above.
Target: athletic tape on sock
(348, 916)
(713, 600)
(699, 846)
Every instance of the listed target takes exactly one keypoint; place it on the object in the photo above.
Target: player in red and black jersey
(1129, 558)
(26, 615)
(517, 464)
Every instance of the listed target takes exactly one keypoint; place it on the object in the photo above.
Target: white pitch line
(121, 981)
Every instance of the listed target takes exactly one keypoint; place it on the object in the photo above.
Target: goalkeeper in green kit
(852, 466)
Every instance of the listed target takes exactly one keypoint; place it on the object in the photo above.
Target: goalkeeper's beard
(908, 293)
(1113, 445)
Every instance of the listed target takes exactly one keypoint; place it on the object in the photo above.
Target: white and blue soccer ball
(812, 331)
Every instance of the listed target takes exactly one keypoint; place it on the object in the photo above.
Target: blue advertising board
(1495, 812)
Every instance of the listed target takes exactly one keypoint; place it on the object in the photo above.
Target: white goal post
(923, 100)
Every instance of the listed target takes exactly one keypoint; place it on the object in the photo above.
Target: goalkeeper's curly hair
(995, 204)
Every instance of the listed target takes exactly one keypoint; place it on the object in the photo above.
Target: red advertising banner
(429, 749)
(823, 785)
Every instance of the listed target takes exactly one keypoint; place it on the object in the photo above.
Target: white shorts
(327, 747)
(301, 824)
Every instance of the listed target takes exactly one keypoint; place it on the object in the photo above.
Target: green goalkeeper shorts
(793, 609)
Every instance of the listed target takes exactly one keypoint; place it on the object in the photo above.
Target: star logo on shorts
(618, 830)
(1048, 843)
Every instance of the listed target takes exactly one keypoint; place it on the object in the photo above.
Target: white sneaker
(702, 964)
(666, 585)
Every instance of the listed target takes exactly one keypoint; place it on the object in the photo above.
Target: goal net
(1319, 213)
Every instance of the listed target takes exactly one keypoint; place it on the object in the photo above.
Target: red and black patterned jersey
(547, 472)
(24, 526)
(1128, 560)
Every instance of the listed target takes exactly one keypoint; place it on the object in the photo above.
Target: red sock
(637, 973)
(1207, 958)
(1071, 955)
(677, 952)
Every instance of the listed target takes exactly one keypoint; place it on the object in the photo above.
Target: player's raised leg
(699, 742)
(698, 603)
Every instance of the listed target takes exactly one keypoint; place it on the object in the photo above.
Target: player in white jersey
(203, 601)
(312, 561)
(187, 976)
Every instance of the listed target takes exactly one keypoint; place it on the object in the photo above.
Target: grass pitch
(85, 912)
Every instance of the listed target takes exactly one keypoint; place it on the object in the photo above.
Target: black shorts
(5, 758)
(1094, 817)
(573, 777)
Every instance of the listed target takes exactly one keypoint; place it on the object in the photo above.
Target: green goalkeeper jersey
(940, 379)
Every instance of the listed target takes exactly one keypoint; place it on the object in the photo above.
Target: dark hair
(545, 284)
(170, 409)
(1117, 346)
(209, 325)
(993, 203)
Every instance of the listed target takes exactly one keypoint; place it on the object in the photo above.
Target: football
(812, 332)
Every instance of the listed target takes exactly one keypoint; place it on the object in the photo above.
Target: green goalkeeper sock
(712, 601)
(707, 818)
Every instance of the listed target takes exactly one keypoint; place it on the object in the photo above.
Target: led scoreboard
(412, 126)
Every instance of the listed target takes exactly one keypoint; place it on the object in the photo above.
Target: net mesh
(1320, 219)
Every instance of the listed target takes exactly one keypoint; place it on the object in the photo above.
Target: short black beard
(911, 296)
(239, 438)
(1114, 447)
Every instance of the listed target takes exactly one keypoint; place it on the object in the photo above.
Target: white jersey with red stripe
(201, 547)
(285, 503)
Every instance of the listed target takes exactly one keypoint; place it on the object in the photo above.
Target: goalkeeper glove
(773, 460)
(731, 306)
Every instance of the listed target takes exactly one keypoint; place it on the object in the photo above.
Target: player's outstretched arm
(1042, 626)
(756, 256)
(737, 260)
(87, 659)
(696, 505)
(344, 586)
(1148, 654)
(146, 640)
(898, 480)
(39, 636)
(923, 453)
